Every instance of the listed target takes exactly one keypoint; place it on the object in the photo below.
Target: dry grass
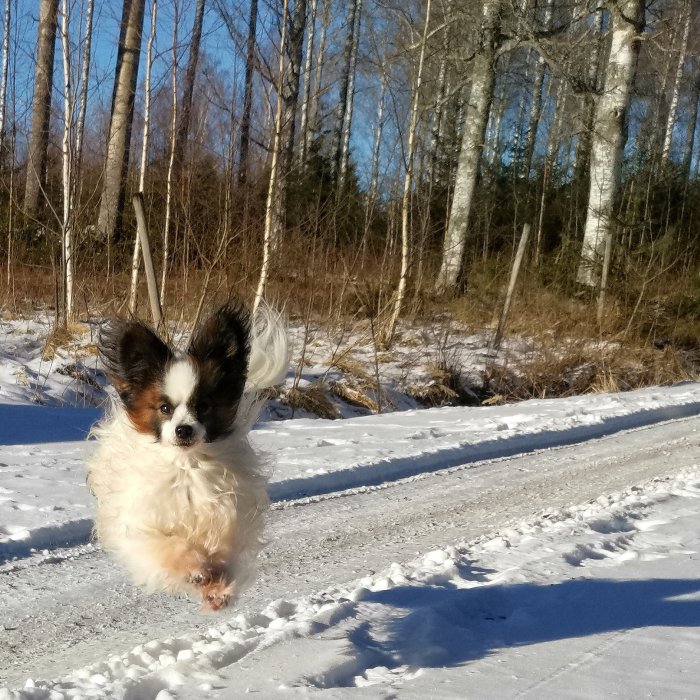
(612, 368)
(446, 387)
(312, 399)
(63, 337)
(573, 353)
(349, 365)
(354, 394)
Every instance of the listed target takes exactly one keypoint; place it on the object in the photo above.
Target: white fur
(268, 363)
(180, 381)
(179, 385)
(210, 498)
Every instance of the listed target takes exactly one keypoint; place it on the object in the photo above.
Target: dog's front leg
(192, 566)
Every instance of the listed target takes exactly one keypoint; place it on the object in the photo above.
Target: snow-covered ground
(547, 549)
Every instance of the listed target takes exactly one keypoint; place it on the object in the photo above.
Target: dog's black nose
(184, 432)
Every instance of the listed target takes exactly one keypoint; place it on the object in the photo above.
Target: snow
(588, 598)
(44, 502)
(571, 603)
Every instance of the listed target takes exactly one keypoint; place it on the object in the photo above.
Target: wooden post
(519, 255)
(153, 297)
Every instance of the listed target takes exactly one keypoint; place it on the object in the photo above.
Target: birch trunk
(183, 129)
(436, 131)
(534, 117)
(136, 255)
(388, 336)
(290, 91)
(479, 105)
(171, 160)
(5, 65)
(608, 139)
(305, 105)
(289, 98)
(269, 234)
(347, 118)
(536, 104)
(344, 93)
(673, 106)
(376, 146)
(119, 139)
(318, 72)
(82, 101)
(41, 109)
(244, 143)
(582, 158)
(67, 169)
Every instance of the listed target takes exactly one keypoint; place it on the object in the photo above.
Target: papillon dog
(180, 493)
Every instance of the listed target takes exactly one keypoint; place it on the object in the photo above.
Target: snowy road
(75, 607)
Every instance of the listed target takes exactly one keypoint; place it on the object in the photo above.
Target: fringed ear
(133, 355)
(220, 347)
(224, 339)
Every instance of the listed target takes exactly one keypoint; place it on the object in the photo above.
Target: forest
(381, 161)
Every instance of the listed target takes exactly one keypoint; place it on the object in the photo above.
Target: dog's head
(181, 399)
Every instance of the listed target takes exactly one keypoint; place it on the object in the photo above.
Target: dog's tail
(267, 364)
(269, 351)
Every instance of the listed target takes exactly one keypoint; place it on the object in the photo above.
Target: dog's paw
(213, 582)
(216, 594)
(205, 571)
(199, 577)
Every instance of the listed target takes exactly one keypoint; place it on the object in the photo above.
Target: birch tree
(583, 145)
(271, 235)
(4, 69)
(67, 169)
(244, 142)
(290, 92)
(320, 62)
(171, 159)
(408, 187)
(346, 93)
(377, 143)
(676, 89)
(479, 104)
(608, 139)
(304, 131)
(536, 101)
(122, 114)
(41, 109)
(183, 128)
(83, 98)
(136, 255)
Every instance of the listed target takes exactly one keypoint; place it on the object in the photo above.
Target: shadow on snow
(438, 626)
(22, 424)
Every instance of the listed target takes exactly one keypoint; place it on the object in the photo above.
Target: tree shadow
(449, 626)
(22, 424)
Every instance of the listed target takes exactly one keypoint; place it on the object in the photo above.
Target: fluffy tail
(268, 362)
(269, 350)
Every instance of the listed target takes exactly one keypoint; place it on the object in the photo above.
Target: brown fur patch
(143, 411)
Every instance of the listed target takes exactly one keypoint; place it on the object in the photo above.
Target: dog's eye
(165, 409)
(204, 407)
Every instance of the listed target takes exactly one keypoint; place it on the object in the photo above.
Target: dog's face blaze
(182, 400)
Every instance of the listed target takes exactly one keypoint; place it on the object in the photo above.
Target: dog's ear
(133, 355)
(224, 339)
